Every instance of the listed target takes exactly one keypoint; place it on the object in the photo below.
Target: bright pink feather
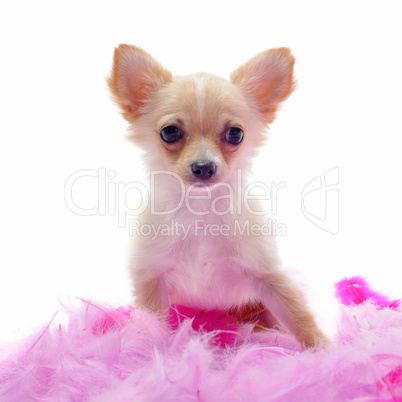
(207, 321)
(356, 290)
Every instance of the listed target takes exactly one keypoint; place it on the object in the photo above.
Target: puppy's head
(201, 127)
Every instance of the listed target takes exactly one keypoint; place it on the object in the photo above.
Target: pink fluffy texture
(124, 354)
(356, 290)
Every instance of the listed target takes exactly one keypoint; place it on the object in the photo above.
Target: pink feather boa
(124, 354)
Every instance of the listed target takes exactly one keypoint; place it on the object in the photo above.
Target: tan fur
(257, 84)
(239, 273)
(131, 89)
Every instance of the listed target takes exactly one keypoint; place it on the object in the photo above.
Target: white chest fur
(202, 261)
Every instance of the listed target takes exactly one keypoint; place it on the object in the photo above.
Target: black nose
(203, 170)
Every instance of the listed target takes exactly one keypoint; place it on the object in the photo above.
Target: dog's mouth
(202, 186)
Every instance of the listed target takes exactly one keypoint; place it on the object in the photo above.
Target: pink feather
(125, 354)
(356, 290)
(207, 321)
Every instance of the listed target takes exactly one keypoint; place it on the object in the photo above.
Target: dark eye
(234, 135)
(170, 134)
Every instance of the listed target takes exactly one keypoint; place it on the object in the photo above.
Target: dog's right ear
(135, 76)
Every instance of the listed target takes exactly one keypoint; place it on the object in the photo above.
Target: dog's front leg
(148, 291)
(288, 305)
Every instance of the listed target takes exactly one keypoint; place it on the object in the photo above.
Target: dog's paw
(313, 339)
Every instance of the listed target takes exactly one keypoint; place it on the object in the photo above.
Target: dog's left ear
(267, 80)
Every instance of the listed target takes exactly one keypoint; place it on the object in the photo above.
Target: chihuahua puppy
(199, 134)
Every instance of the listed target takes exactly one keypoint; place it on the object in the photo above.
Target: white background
(57, 118)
